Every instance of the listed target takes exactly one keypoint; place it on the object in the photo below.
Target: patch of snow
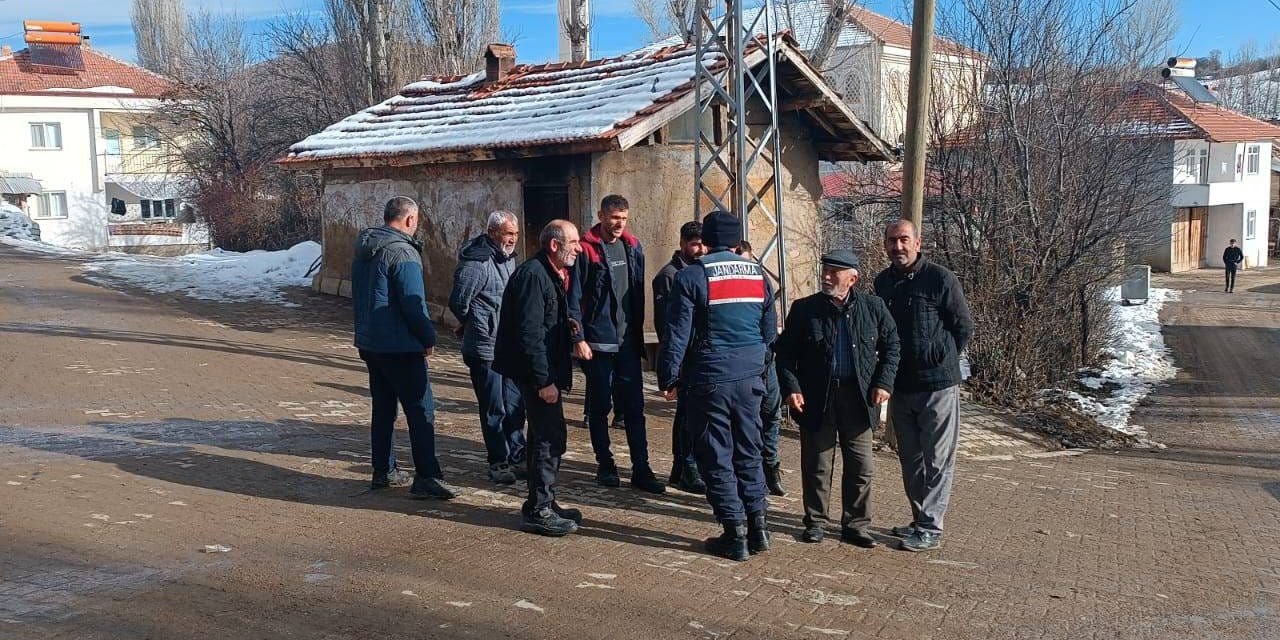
(222, 276)
(1139, 360)
(16, 224)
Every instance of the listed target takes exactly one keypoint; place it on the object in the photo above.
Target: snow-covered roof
(549, 109)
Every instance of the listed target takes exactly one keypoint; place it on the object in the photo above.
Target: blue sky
(1223, 24)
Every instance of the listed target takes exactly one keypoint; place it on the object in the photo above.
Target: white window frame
(108, 136)
(45, 128)
(43, 206)
(1202, 167)
(1253, 159)
(1251, 224)
(150, 138)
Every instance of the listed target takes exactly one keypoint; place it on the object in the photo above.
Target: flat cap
(840, 259)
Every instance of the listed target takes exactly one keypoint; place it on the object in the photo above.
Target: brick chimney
(498, 61)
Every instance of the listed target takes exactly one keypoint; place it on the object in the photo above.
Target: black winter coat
(804, 351)
(534, 331)
(933, 321)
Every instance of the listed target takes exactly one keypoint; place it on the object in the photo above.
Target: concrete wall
(455, 200)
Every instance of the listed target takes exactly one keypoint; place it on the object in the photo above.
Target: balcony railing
(136, 163)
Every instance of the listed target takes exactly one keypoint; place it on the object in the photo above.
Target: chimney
(6, 51)
(498, 61)
(84, 41)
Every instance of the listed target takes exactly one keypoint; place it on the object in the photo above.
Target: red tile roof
(19, 76)
(1217, 123)
(897, 34)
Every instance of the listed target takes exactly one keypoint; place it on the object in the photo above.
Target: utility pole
(913, 172)
(726, 89)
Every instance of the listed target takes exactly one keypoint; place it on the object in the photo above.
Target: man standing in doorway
(721, 319)
(1232, 256)
(684, 467)
(934, 325)
(606, 297)
(534, 338)
(484, 267)
(837, 358)
(395, 336)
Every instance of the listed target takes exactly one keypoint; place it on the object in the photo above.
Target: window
(112, 138)
(1196, 166)
(46, 135)
(1250, 225)
(1253, 159)
(51, 204)
(158, 208)
(145, 138)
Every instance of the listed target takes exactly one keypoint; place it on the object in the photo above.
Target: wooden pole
(913, 166)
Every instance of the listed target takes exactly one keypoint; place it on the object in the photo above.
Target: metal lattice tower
(736, 69)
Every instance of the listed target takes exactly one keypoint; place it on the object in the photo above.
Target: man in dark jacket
(535, 334)
(484, 267)
(770, 410)
(1232, 256)
(720, 321)
(684, 467)
(395, 336)
(606, 298)
(934, 326)
(837, 357)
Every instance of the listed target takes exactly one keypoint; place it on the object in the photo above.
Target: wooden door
(1197, 222)
(1187, 250)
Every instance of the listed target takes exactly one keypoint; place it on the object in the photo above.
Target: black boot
(731, 544)
(757, 533)
(773, 479)
(691, 481)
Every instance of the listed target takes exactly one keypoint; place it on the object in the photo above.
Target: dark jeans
(681, 450)
(844, 422)
(1231, 277)
(501, 412)
(546, 445)
(724, 428)
(770, 415)
(619, 372)
(402, 377)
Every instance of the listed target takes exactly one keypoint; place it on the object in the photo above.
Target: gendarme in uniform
(720, 320)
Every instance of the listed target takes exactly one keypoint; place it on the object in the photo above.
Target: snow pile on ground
(1139, 361)
(223, 276)
(16, 224)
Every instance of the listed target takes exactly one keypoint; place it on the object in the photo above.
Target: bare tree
(577, 27)
(159, 28)
(459, 31)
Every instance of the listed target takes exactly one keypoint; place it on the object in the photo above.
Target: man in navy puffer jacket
(395, 336)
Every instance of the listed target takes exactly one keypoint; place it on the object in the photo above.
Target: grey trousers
(845, 421)
(927, 425)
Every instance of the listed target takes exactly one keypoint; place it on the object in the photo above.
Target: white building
(76, 120)
(1219, 161)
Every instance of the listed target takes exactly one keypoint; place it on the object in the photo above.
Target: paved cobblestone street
(135, 429)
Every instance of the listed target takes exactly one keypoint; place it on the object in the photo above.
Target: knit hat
(720, 229)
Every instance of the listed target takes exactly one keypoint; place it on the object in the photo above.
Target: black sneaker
(731, 544)
(545, 522)
(812, 534)
(903, 531)
(922, 541)
(502, 473)
(424, 488)
(607, 475)
(773, 479)
(520, 469)
(858, 538)
(618, 423)
(644, 480)
(567, 513)
(392, 478)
